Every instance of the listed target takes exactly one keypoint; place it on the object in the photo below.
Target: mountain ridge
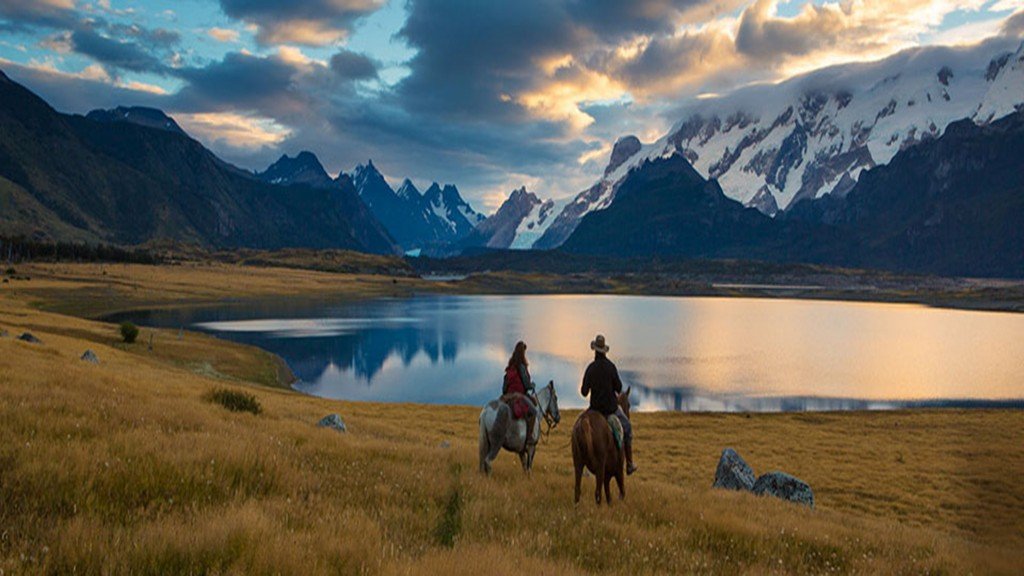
(71, 177)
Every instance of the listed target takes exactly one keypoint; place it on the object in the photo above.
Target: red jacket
(514, 385)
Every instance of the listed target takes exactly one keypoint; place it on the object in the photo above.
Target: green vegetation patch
(235, 400)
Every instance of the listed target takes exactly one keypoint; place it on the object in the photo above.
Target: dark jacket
(601, 381)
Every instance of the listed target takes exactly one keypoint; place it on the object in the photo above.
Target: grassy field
(129, 467)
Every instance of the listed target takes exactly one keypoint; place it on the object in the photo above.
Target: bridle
(549, 419)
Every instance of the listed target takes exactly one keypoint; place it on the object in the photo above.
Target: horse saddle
(519, 403)
(617, 432)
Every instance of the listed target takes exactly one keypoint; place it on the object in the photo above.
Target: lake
(692, 354)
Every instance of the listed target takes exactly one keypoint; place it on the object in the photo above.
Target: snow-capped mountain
(455, 213)
(770, 146)
(439, 216)
(520, 220)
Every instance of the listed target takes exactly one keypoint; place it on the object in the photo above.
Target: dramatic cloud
(114, 53)
(223, 34)
(16, 14)
(244, 82)
(307, 22)
(489, 95)
(355, 66)
(1014, 25)
(237, 131)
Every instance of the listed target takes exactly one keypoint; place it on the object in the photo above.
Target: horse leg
(485, 449)
(621, 482)
(608, 489)
(599, 472)
(577, 464)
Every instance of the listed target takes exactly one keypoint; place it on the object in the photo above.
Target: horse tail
(499, 430)
(583, 440)
(588, 438)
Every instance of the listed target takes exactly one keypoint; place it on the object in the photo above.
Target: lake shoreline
(133, 449)
(101, 294)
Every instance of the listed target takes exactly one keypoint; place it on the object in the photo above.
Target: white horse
(499, 430)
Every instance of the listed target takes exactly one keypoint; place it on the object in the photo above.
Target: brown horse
(593, 447)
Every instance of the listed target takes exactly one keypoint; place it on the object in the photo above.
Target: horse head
(549, 404)
(623, 400)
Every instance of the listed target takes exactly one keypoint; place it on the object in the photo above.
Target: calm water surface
(717, 354)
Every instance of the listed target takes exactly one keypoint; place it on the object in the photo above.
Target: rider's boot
(630, 467)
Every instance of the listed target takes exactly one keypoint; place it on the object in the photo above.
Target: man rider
(601, 381)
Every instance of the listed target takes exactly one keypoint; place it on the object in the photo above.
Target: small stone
(90, 357)
(733, 473)
(3, 333)
(786, 487)
(332, 421)
(28, 337)
(445, 444)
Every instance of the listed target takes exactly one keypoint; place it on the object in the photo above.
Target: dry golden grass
(127, 467)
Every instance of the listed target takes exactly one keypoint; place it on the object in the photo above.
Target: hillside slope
(69, 177)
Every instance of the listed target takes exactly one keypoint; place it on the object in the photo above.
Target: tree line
(15, 249)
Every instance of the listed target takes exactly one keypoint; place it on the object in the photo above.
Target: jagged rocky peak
(521, 196)
(764, 201)
(624, 149)
(139, 115)
(408, 190)
(367, 170)
(304, 168)
(366, 177)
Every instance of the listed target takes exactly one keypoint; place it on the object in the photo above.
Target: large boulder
(28, 337)
(784, 486)
(332, 421)
(733, 473)
(90, 357)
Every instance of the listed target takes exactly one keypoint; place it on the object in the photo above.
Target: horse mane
(623, 401)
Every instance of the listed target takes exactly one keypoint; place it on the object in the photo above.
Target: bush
(129, 332)
(10, 272)
(235, 400)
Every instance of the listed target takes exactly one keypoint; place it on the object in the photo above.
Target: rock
(332, 421)
(90, 357)
(445, 444)
(733, 473)
(3, 333)
(28, 337)
(786, 487)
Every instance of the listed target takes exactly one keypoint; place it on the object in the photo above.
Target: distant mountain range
(771, 146)
(437, 218)
(522, 216)
(952, 205)
(131, 176)
(913, 163)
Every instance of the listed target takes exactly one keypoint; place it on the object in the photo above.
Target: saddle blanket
(617, 432)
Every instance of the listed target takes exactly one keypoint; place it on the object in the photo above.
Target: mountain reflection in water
(690, 354)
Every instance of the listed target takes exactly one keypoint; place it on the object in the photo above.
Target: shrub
(235, 400)
(129, 332)
(10, 271)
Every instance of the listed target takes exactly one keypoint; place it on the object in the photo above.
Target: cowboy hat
(599, 345)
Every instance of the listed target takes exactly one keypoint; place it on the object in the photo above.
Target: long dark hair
(518, 356)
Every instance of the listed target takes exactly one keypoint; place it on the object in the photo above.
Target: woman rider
(517, 381)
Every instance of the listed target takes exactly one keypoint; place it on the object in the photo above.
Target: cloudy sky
(487, 94)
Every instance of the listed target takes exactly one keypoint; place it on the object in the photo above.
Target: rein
(549, 420)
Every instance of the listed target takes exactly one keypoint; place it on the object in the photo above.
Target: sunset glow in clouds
(489, 95)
